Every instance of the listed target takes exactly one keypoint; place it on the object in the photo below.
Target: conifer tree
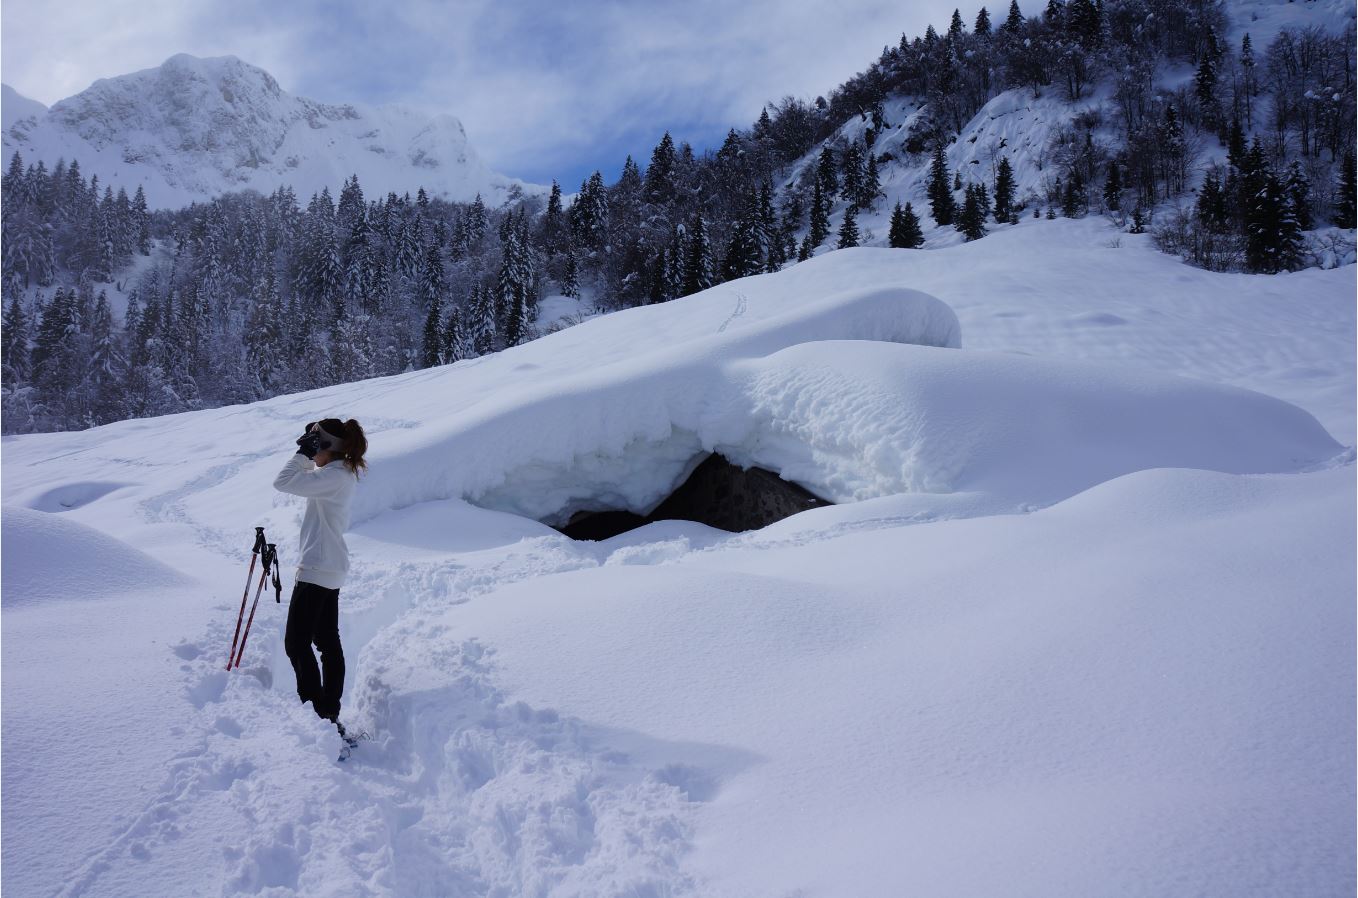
(955, 28)
(848, 229)
(698, 266)
(1074, 201)
(54, 359)
(1084, 22)
(554, 223)
(982, 27)
(1235, 143)
(1298, 190)
(141, 222)
(453, 346)
(773, 247)
(14, 340)
(942, 206)
(1112, 188)
(1248, 79)
(431, 349)
(905, 230)
(676, 257)
(1004, 190)
(660, 174)
(484, 332)
(1055, 16)
(265, 349)
(432, 278)
(1211, 206)
(820, 217)
(657, 279)
(851, 169)
(1014, 23)
(972, 220)
(570, 282)
(1273, 240)
(827, 176)
(872, 184)
(742, 252)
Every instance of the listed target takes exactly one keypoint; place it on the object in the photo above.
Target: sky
(545, 89)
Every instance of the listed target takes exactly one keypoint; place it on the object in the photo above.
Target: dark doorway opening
(717, 493)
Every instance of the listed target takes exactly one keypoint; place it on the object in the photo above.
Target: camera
(309, 443)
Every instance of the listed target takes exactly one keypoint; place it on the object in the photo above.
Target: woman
(313, 610)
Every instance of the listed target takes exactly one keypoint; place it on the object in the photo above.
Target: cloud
(544, 88)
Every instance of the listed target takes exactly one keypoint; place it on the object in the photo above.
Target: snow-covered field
(1082, 622)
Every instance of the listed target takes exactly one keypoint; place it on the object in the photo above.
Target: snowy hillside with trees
(1075, 614)
(193, 129)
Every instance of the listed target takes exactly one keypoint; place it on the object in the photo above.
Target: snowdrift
(51, 558)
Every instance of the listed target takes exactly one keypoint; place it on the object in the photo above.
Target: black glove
(309, 444)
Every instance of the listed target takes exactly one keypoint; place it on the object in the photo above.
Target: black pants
(313, 618)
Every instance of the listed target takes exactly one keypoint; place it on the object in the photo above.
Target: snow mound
(623, 433)
(854, 422)
(50, 558)
(848, 419)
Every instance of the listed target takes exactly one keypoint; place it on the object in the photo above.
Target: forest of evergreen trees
(247, 296)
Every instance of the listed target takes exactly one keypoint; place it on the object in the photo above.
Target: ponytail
(355, 442)
(355, 445)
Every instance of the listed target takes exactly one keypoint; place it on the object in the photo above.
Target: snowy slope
(1263, 19)
(1082, 623)
(1020, 127)
(15, 107)
(194, 128)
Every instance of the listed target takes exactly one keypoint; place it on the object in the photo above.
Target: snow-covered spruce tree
(820, 216)
(264, 338)
(872, 184)
(851, 173)
(971, 222)
(772, 247)
(14, 342)
(698, 266)
(453, 343)
(554, 233)
(982, 26)
(589, 215)
(660, 174)
(484, 334)
(1298, 189)
(942, 205)
(103, 381)
(1004, 190)
(1272, 236)
(905, 230)
(743, 257)
(431, 350)
(657, 281)
(1074, 198)
(1112, 188)
(848, 229)
(827, 174)
(570, 284)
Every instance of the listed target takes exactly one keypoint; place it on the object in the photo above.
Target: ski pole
(269, 554)
(254, 554)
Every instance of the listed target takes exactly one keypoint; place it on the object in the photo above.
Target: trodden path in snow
(214, 782)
